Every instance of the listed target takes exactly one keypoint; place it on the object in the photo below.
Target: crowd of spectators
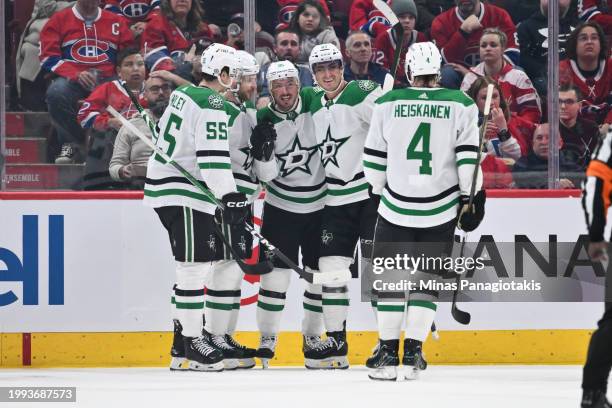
(89, 47)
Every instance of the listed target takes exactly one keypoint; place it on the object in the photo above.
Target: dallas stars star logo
(248, 161)
(329, 148)
(296, 158)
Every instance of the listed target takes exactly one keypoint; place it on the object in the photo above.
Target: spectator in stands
(130, 155)
(31, 83)
(310, 22)
(580, 135)
(79, 44)
(457, 33)
(427, 10)
(518, 10)
(288, 8)
(406, 12)
(597, 11)
(135, 11)
(359, 53)
(363, 16)
(514, 83)
(589, 68)
(171, 32)
(531, 171)
(286, 48)
(101, 126)
(533, 42)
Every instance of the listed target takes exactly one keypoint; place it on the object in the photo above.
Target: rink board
(85, 281)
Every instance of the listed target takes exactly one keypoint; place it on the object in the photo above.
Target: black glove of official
(470, 220)
(236, 208)
(262, 141)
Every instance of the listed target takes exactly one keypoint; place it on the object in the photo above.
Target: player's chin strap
(308, 276)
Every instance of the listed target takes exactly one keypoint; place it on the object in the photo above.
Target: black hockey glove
(236, 208)
(262, 141)
(470, 220)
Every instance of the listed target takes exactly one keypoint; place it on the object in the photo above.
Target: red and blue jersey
(133, 10)
(70, 45)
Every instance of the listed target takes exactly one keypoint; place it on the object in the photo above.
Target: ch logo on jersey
(248, 159)
(296, 158)
(135, 10)
(326, 237)
(89, 52)
(329, 148)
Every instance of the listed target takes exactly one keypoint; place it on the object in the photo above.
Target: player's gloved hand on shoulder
(470, 220)
(262, 141)
(236, 208)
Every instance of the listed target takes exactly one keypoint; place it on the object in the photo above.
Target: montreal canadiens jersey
(70, 45)
(241, 123)
(299, 185)
(93, 114)
(341, 126)
(194, 133)
(133, 10)
(420, 154)
(465, 50)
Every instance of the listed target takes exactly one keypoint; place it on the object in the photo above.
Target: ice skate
(327, 354)
(201, 355)
(413, 359)
(177, 352)
(594, 399)
(248, 354)
(231, 355)
(265, 352)
(384, 362)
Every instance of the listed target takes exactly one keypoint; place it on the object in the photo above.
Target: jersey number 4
(173, 126)
(421, 136)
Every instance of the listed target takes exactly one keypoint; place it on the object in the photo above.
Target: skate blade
(176, 364)
(331, 277)
(245, 363)
(197, 366)
(411, 373)
(230, 363)
(265, 363)
(383, 374)
(330, 363)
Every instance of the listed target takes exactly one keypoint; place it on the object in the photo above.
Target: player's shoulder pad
(205, 98)
(311, 98)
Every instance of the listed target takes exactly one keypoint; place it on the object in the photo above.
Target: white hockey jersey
(194, 133)
(298, 182)
(420, 153)
(341, 126)
(241, 123)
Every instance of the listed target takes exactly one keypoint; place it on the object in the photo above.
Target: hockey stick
(459, 315)
(316, 278)
(399, 33)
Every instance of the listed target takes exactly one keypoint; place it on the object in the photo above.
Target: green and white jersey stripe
(194, 133)
(299, 186)
(420, 153)
(241, 123)
(341, 127)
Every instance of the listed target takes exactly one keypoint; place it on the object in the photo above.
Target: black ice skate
(413, 359)
(231, 355)
(248, 354)
(595, 399)
(384, 362)
(202, 355)
(265, 352)
(177, 352)
(329, 353)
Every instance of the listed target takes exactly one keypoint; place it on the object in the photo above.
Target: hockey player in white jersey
(420, 157)
(193, 131)
(341, 111)
(295, 196)
(223, 288)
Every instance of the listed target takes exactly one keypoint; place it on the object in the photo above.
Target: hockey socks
(271, 300)
(223, 288)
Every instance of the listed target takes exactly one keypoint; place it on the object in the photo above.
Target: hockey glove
(262, 141)
(470, 220)
(236, 208)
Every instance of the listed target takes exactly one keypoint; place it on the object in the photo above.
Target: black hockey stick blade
(259, 268)
(460, 316)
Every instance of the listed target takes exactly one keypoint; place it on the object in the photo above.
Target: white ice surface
(439, 386)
